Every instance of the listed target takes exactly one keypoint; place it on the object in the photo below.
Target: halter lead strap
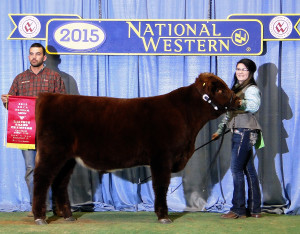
(207, 99)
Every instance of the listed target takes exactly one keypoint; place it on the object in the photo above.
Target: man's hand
(4, 98)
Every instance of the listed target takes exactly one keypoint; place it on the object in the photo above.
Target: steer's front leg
(41, 185)
(160, 181)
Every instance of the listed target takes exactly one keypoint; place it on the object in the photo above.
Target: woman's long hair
(250, 65)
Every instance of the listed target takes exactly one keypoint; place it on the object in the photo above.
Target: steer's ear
(210, 84)
(203, 82)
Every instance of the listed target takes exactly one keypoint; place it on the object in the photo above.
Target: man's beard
(37, 64)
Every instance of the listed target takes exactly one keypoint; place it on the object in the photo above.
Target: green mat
(146, 222)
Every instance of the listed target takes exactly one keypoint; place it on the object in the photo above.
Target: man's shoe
(30, 214)
(256, 216)
(232, 215)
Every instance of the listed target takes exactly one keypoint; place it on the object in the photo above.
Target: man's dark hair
(39, 46)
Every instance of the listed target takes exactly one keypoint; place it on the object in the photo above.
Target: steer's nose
(235, 104)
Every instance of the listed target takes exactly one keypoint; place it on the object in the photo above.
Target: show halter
(206, 98)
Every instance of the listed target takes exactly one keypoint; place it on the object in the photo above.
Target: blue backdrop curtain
(198, 187)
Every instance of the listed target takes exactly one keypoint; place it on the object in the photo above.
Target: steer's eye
(219, 91)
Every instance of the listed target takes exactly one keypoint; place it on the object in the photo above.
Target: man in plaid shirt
(37, 79)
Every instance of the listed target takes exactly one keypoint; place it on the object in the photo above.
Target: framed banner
(33, 26)
(277, 27)
(21, 125)
(154, 37)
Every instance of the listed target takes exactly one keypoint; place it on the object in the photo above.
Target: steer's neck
(197, 111)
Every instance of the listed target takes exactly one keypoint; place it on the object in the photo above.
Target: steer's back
(107, 131)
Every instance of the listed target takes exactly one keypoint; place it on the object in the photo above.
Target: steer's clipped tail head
(216, 92)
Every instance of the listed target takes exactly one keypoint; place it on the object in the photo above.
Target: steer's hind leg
(60, 190)
(160, 180)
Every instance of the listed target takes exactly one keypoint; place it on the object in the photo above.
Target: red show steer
(114, 133)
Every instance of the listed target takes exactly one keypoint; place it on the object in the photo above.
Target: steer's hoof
(165, 221)
(40, 222)
(70, 219)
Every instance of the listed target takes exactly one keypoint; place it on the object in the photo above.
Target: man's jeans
(29, 158)
(242, 163)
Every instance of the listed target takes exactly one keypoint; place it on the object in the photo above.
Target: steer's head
(216, 93)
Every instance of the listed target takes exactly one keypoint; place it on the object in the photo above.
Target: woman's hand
(215, 136)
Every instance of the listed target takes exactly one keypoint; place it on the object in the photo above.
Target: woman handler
(245, 130)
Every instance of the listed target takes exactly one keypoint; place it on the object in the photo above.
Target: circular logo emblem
(280, 27)
(29, 26)
(240, 37)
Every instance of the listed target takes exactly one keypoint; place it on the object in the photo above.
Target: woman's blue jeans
(242, 163)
